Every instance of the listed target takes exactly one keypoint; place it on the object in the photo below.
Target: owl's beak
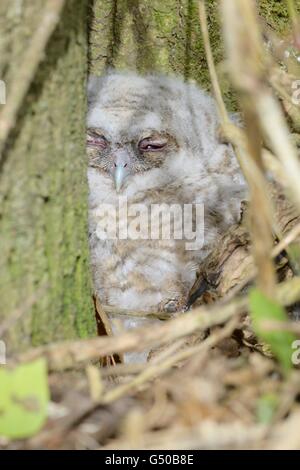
(120, 174)
(120, 169)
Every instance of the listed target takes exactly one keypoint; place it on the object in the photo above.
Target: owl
(163, 188)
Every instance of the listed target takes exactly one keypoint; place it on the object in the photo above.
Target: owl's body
(163, 134)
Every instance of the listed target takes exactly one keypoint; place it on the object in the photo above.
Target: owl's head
(136, 124)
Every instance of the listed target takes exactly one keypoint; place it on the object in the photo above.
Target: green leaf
(266, 407)
(261, 309)
(24, 397)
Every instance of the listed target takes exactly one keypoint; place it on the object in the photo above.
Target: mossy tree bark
(165, 36)
(43, 191)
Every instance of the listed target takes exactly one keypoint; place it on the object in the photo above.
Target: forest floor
(213, 389)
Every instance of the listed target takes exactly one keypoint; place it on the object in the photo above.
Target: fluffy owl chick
(153, 141)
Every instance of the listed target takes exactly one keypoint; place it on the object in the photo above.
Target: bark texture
(43, 192)
(165, 37)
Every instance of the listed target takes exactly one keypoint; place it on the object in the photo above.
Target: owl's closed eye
(122, 159)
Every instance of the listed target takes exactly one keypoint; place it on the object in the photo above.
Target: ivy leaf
(261, 309)
(24, 397)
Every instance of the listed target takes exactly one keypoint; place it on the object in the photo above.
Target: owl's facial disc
(123, 164)
(126, 157)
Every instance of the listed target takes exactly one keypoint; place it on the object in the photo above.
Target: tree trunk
(43, 191)
(165, 36)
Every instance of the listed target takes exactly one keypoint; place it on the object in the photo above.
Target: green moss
(165, 37)
(43, 193)
(275, 14)
(154, 36)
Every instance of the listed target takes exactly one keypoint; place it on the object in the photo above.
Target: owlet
(162, 189)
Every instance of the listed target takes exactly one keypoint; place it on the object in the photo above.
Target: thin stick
(132, 369)
(135, 313)
(234, 134)
(210, 62)
(65, 355)
(282, 245)
(68, 354)
(286, 241)
(122, 369)
(32, 57)
(272, 325)
(249, 68)
(245, 74)
(277, 133)
(207, 434)
(154, 370)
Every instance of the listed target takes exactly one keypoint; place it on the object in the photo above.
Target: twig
(67, 354)
(153, 370)
(282, 245)
(286, 241)
(272, 325)
(233, 133)
(206, 434)
(248, 65)
(246, 75)
(210, 62)
(27, 69)
(248, 60)
(132, 369)
(237, 137)
(135, 313)
(276, 131)
(122, 370)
